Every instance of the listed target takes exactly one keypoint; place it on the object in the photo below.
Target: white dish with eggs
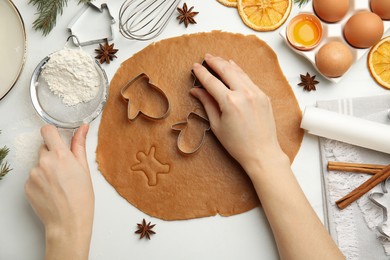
(335, 32)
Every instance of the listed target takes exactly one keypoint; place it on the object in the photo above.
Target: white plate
(13, 46)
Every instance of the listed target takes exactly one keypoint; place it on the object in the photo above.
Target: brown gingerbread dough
(141, 158)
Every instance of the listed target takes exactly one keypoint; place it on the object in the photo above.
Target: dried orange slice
(379, 62)
(230, 3)
(264, 15)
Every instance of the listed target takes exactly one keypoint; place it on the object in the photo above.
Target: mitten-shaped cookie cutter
(147, 114)
(181, 127)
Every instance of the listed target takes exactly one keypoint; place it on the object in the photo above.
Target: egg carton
(334, 32)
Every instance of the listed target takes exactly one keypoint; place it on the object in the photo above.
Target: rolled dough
(140, 159)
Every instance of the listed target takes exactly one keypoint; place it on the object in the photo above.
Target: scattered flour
(27, 147)
(71, 74)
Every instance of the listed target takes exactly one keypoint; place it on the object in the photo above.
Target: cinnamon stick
(382, 175)
(355, 167)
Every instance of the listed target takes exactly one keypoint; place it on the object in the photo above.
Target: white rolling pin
(348, 129)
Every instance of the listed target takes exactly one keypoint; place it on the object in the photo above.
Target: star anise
(308, 82)
(145, 230)
(186, 16)
(106, 53)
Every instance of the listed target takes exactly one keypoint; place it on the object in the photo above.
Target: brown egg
(381, 8)
(334, 59)
(363, 29)
(331, 10)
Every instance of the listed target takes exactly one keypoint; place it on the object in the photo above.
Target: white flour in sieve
(72, 75)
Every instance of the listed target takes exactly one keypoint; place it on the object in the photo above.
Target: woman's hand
(60, 191)
(241, 117)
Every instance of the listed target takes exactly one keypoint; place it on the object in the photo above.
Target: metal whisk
(145, 19)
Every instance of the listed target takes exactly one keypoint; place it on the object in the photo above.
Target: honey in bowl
(304, 32)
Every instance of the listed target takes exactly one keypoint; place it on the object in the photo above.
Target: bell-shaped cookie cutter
(176, 128)
(76, 19)
(160, 91)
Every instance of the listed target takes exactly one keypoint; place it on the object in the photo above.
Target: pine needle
(301, 2)
(3, 153)
(4, 169)
(4, 166)
(47, 13)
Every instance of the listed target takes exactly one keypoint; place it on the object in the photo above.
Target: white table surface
(246, 236)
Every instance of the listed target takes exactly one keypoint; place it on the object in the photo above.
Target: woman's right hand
(241, 116)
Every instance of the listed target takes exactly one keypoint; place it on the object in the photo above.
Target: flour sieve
(51, 108)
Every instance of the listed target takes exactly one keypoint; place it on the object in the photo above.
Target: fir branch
(38, 3)
(4, 166)
(48, 11)
(4, 169)
(301, 2)
(3, 153)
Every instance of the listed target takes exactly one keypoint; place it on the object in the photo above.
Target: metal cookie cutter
(197, 83)
(132, 115)
(182, 127)
(382, 200)
(86, 35)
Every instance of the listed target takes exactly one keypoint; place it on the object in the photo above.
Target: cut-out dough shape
(150, 166)
(145, 99)
(382, 200)
(192, 133)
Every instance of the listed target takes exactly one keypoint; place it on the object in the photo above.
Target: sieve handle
(67, 135)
